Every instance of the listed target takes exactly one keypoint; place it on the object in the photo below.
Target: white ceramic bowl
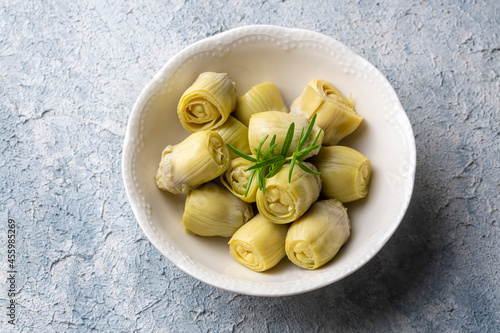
(289, 58)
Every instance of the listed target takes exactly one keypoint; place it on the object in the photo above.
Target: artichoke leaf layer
(199, 158)
(345, 172)
(335, 113)
(236, 178)
(234, 133)
(315, 238)
(207, 103)
(259, 244)
(275, 122)
(211, 210)
(285, 201)
(260, 98)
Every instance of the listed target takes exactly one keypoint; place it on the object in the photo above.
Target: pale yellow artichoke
(285, 201)
(335, 113)
(236, 134)
(201, 157)
(275, 122)
(207, 103)
(346, 173)
(236, 178)
(259, 244)
(315, 238)
(211, 210)
(262, 97)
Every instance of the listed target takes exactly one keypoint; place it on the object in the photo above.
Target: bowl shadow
(379, 290)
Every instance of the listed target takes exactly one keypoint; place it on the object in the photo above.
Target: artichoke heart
(201, 157)
(236, 177)
(259, 244)
(275, 122)
(335, 113)
(345, 172)
(285, 201)
(262, 97)
(315, 238)
(211, 210)
(236, 134)
(207, 103)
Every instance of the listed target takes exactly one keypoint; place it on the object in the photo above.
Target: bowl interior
(290, 59)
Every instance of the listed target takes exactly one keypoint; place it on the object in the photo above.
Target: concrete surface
(69, 75)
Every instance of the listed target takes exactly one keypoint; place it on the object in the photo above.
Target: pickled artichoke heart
(262, 97)
(285, 201)
(211, 210)
(236, 134)
(259, 244)
(207, 103)
(235, 179)
(201, 157)
(345, 172)
(275, 122)
(335, 113)
(316, 237)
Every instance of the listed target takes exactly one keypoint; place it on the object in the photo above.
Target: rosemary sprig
(267, 164)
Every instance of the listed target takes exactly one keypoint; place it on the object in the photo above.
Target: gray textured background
(69, 75)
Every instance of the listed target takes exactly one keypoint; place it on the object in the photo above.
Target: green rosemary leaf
(260, 146)
(313, 119)
(317, 137)
(269, 151)
(292, 164)
(273, 140)
(272, 143)
(306, 169)
(275, 168)
(288, 140)
(266, 163)
(259, 180)
(241, 154)
(263, 181)
(250, 178)
(300, 139)
(303, 153)
(308, 132)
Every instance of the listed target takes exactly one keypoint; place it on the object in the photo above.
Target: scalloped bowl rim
(288, 38)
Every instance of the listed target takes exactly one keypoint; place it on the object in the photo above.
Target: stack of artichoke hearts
(300, 215)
